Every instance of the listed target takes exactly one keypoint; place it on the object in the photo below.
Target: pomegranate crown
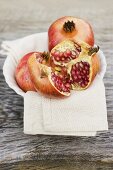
(69, 26)
(45, 55)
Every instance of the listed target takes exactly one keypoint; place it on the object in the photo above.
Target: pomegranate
(64, 52)
(84, 69)
(22, 75)
(72, 28)
(47, 80)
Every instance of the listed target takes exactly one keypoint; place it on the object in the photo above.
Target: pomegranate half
(84, 69)
(48, 81)
(78, 60)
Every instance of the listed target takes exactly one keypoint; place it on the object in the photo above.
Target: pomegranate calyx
(46, 55)
(69, 26)
(93, 50)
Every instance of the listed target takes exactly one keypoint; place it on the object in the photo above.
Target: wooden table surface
(20, 151)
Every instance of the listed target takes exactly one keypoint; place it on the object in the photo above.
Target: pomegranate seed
(67, 85)
(73, 72)
(61, 76)
(68, 59)
(85, 82)
(84, 71)
(57, 58)
(74, 67)
(65, 54)
(62, 58)
(68, 52)
(80, 69)
(52, 52)
(82, 84)
(70, 81)
(64, 89)
(77, 72)
(79, 77)
(88, 76)
(73, 56)
(74, 53)
(87, 64)
(87, 71)
(56, 53)
(75, 77)
(81, 64)
(85, 78)
(77, 65)
(61, 54)
(82, 74)
(53, 79)
(86, 68)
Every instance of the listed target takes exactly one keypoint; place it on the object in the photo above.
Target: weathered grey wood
(20, 18)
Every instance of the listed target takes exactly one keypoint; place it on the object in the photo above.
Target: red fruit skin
(22, 75)
(83, 31)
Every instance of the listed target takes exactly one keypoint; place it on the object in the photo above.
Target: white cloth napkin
(82, 114)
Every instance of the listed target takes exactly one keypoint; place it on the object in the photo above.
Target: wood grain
(20, 151)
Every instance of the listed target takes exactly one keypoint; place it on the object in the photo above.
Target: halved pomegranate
(64, 52)
(22, 75)
(46, 80)
(84, 70)
(69, 27)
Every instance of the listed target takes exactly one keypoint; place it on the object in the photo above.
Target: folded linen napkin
(82, 114)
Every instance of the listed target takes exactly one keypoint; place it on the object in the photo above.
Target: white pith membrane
(64, 52)
(81, 72)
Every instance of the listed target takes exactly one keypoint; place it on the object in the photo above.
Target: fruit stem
(93, 50)
(69, 26)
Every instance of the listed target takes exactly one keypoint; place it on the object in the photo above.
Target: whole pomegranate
(72, 28)
(22, 75)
